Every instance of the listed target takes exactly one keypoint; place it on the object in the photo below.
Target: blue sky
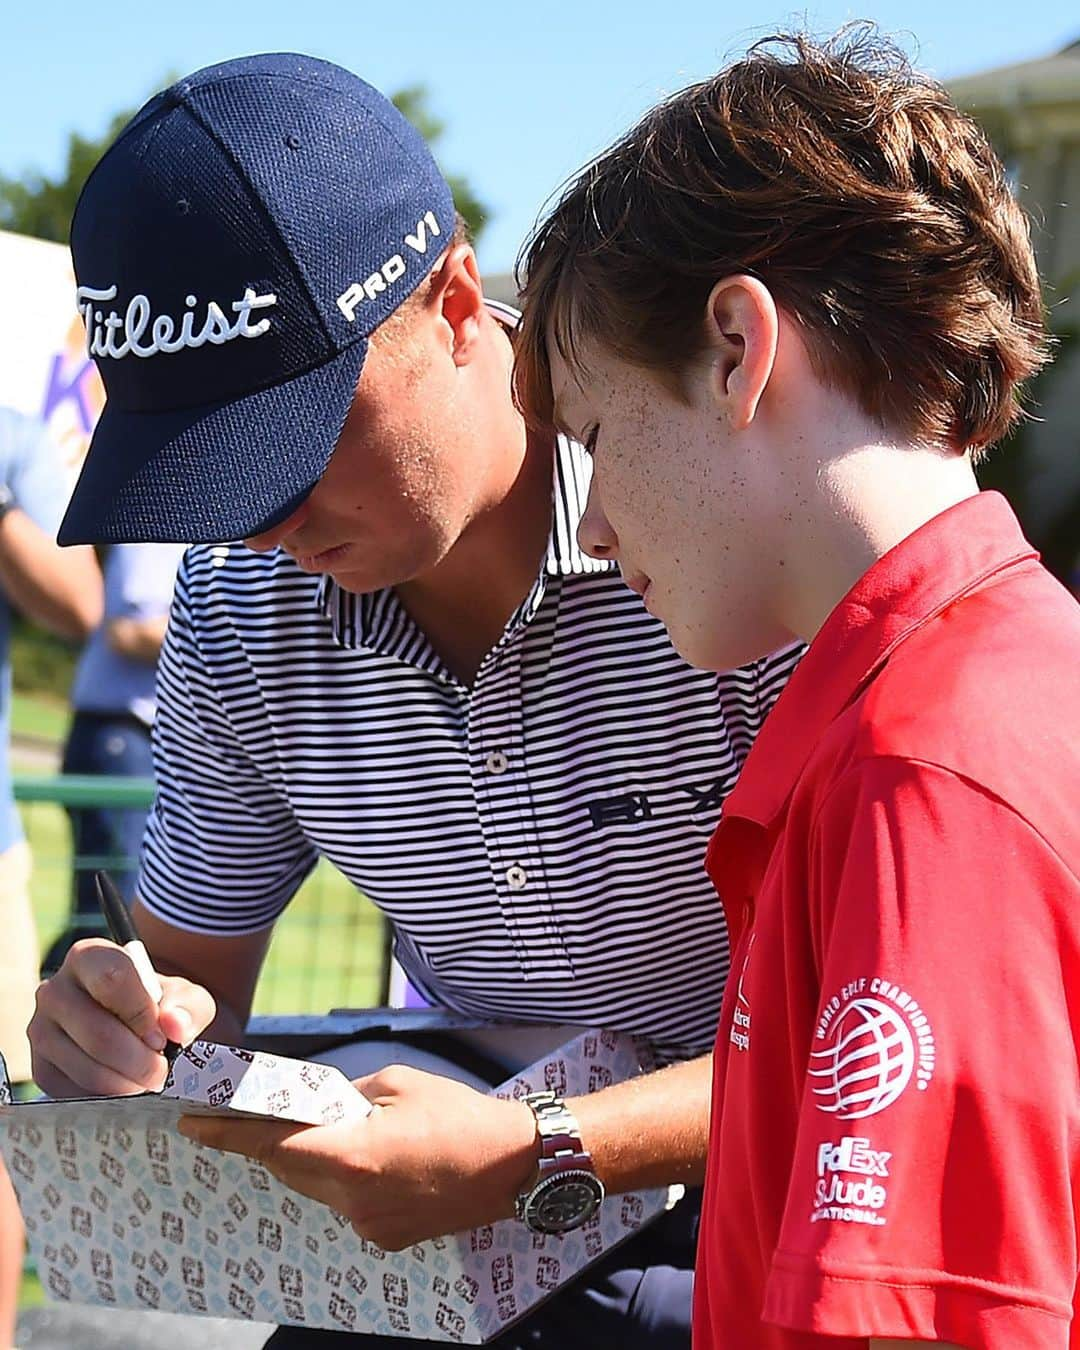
(527, 93)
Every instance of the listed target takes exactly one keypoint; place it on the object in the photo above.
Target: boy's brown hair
(876, 213)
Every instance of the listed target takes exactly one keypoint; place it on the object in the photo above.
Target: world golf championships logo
(873, 1039)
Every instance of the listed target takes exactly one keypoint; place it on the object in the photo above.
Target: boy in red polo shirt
(787, 312)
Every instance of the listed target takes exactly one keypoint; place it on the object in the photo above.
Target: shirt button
(516, 877)
(497, 762)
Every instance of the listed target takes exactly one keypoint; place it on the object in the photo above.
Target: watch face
(564, 1202)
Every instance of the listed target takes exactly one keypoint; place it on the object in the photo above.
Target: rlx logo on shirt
(631, 806)
(711, 797)
(620, 810)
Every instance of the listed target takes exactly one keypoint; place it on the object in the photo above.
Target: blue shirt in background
(32, 469)
(139, 582)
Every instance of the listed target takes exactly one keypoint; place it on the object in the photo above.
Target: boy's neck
(864, 501)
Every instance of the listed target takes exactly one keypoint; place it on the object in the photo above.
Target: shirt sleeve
(223, 852)
(933, 1193)
(36, 475)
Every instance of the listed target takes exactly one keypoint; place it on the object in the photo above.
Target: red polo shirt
(895, 1145)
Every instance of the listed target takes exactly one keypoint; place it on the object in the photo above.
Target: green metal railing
(69, 789)
(86, 790)
(328, 948)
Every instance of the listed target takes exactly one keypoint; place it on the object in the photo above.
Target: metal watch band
(560, 1134)
(566, 1192)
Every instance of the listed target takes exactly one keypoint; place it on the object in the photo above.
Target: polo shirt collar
(955, 553)
(573, 473)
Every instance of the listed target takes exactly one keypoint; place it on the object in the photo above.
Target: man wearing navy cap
(411, 669)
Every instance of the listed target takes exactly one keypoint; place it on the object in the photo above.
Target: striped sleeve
(223, 852)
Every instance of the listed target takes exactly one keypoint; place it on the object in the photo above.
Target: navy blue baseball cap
(234, 250)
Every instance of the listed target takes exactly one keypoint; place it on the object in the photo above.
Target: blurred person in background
(61, 590)
(113, 701)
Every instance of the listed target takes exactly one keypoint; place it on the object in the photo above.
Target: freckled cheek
(625, 473)
(642, 486)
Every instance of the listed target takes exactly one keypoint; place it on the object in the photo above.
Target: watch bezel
(530, 1204)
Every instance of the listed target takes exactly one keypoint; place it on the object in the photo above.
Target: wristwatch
(567, 1192)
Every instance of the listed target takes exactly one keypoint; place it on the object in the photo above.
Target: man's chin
(360, 583)
(403, 570)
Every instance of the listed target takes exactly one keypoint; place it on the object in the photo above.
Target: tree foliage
(41, 206)
(38, 205)
(412, 103)
(1012, 467)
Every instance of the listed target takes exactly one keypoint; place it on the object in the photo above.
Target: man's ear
(743, 327)
(456, 298)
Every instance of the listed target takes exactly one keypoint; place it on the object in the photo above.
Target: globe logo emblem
(867, 1063)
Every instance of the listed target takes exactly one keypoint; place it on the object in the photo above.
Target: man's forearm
(652, 1130)
(60, 589)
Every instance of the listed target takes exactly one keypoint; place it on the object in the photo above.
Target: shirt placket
(498, 767)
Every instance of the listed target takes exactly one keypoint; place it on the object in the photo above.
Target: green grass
(326, 950)
(40, 662)
(31, 1294)
(39, 715)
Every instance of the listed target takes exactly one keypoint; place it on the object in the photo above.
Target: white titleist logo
(137, 332)
(392, 270)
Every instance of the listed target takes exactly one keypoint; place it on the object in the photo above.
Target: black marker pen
(122, 931)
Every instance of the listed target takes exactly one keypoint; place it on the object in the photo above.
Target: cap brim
(213, 473)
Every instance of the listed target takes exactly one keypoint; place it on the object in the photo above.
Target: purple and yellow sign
(44, 368)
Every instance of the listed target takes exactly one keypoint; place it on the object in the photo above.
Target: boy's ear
(743, 328)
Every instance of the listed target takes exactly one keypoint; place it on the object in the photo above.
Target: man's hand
(434, 1157)
(97, 1031)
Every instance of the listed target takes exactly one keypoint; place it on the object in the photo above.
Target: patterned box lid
(122, 1211)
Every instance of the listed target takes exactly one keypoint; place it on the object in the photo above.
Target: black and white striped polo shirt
(536, 839)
